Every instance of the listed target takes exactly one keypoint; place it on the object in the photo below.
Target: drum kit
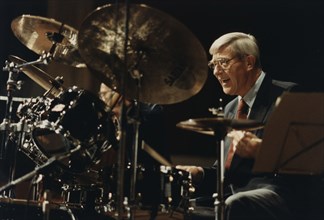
(139, 52)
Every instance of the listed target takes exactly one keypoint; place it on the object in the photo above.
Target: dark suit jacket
(240, 171)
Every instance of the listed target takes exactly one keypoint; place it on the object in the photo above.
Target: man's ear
(250, 61)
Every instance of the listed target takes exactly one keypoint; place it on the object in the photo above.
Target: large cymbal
(211, 125)
(163, 55)
(39, 34)
(39, 76)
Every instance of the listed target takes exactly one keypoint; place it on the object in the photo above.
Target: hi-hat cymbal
(211, 125)
(40, 77)
(40, 33)
(164, 62)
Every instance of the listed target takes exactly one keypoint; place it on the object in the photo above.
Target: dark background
(290, 35)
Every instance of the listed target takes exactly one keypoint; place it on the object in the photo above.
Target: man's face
(231, 72)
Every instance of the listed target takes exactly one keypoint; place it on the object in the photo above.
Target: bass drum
(77, 125)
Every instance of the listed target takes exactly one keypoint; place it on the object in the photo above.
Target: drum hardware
(28, 209)
(52, 86)
(37, 187)
(168, 176)
(86, 197)
(171, 178)
(187, 190)
(218, 112)
(42, 116)
(41, 34)
(163, 191)
(76, 117)
(183, 77)
(45, 204)
(218, 127)
(40, 169)
(138, 65)
(32, 151)
(35, 109)
(14, 127)
(12, 84)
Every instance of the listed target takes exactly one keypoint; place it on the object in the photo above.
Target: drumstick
(155, 154)
(115, 98)
(109, 96)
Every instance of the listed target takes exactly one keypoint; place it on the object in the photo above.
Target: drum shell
(160, 187)
(77, 122)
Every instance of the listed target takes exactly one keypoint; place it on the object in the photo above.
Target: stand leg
(219, 196)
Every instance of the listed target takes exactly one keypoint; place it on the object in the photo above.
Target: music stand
(293, 141)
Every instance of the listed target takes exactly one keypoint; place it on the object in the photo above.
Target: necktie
(242, 110)
(241, 113)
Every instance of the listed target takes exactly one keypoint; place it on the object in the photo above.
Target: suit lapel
(259, 112)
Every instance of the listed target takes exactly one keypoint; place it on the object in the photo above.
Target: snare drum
(162, 189)
(86, 197)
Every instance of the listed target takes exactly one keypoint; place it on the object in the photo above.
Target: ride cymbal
(40, 77)
(41, 34)
(164, 62)
(210, 125)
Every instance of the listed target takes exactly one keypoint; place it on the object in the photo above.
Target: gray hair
(240, 43)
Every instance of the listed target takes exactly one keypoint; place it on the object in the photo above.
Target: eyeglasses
(221, 62)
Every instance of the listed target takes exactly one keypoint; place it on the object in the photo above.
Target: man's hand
(246, 144)
(197, 173)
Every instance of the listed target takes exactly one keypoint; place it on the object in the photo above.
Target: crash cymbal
(39, 76)
(165, 62)
(210, 125)
(39, 34)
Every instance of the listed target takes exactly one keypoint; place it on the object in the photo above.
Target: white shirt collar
(250, 96)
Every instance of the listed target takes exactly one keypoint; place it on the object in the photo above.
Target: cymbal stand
(13, 85)
(122, 148)
(135, 120)
(220, 134)
(136, 75)
(136, 123)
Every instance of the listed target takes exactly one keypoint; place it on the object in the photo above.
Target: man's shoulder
(286, 85)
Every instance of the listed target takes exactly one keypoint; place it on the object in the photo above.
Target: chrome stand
(219, 195)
